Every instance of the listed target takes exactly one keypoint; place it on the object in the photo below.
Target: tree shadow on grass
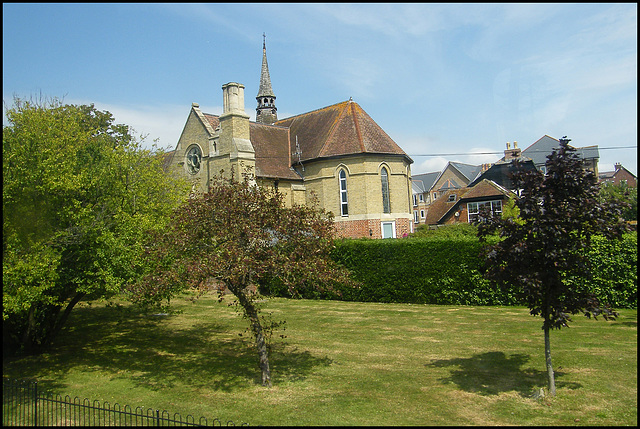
(492, 373)
(151, 353)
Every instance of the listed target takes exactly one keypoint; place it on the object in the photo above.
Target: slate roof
(501, 172)
(423, 182)
(338, 130)
(467, 170)
(544, 146)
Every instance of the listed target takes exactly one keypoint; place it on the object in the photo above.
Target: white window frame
(473, 209)
(344, 198)
(393, 228)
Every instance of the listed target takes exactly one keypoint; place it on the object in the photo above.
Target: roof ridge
(311, 111)
(357, 125)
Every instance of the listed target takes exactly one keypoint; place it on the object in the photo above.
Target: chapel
(338, 154)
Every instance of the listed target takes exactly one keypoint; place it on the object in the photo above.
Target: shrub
(445, 270)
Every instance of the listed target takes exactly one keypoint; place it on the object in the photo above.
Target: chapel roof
(341, 129)
(338, 130)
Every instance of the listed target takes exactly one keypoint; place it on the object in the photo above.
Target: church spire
(266, 110)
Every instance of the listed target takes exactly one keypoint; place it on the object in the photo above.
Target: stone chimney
(510, 154)
(617, 166)
(234, 131)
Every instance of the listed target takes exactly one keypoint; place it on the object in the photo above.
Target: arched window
(386, 202)
(344, 206)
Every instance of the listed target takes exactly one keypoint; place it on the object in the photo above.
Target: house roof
(544, 146)
(612, 174)
(341, 129)
(467, 170)
(438, 208)
(501, 172)
(423, 182)
(441, 208)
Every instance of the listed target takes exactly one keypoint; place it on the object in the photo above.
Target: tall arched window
(386, 202)
(344, 206)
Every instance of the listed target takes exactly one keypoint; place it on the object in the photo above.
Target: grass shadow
(492, 373)
(149, 352)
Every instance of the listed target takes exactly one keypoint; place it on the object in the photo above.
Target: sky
(447, 82)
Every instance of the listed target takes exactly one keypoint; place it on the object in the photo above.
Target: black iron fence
(24, 405)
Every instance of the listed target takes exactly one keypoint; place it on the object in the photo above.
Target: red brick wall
(369, 228)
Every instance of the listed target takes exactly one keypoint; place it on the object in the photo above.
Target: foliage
(78, 190)
(449, 272)
(419, 271)
(614, 266)
(240, 234)
(559, 213)
(455, 231)
(621, 193)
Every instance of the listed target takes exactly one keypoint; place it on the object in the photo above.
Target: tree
(610, 192)
(540, 252)
(78, 193)
(241, 234)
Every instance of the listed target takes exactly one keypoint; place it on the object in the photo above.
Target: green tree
(78, 193)
(610, 192)
(539, 254)
(241, 234)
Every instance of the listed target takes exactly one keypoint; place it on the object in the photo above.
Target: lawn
(346, 363)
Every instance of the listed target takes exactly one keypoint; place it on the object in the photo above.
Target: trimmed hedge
(448, 271)
(419, 271)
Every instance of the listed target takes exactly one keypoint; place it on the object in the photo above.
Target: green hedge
(419, 271)
(447, 271)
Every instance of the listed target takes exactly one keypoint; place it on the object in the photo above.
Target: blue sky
(458, 79)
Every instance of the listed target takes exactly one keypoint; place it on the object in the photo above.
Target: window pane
(386, 204)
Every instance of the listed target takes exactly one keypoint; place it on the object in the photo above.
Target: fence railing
(24, 405)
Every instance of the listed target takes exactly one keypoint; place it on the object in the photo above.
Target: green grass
(347, 363)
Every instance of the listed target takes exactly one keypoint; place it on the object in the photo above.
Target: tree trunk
(256, 328)
(63, 319)
(547, 355)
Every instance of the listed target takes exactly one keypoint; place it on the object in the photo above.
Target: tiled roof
(341, 129)
(273, 156)
(440, 208)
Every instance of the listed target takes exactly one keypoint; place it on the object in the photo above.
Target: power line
(502, 153)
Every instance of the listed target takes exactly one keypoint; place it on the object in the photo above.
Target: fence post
(35, 402)
(157, 417)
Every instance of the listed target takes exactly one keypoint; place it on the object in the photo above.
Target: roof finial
(264, 41)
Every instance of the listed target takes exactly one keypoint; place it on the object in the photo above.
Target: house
(421, 184)
(544, 146)
(463, 205)
(618, 176)
(502, 170)
(336, 153)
